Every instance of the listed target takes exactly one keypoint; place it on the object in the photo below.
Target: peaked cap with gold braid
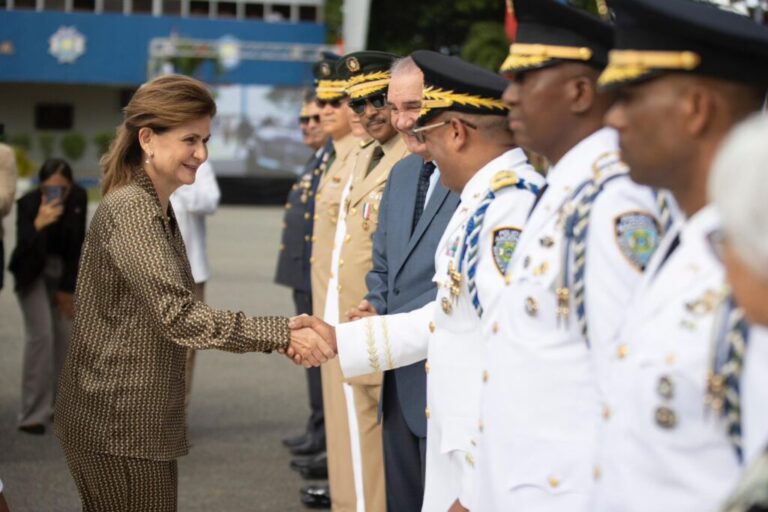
(550, 32)
(367, 73)
(328, 85)
(654, 37)
(453, 84)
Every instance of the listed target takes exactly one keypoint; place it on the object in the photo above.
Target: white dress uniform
(191, 204)
(539, 405)
(661, 447)
(448, 331)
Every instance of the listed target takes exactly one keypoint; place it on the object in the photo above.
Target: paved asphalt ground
(242, 405)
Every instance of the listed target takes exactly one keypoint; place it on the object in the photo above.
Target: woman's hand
(48, 213)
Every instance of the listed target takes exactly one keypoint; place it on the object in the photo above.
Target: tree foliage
(473, 29)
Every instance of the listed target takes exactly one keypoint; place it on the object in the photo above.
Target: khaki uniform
(361, 210)
(327, 206)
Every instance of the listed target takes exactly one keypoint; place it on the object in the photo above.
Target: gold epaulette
(607, 165)
(504, 179)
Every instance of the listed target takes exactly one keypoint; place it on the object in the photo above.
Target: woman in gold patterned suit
(120, 413)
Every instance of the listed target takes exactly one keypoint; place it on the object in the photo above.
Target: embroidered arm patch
(638, 235)
(504, 242)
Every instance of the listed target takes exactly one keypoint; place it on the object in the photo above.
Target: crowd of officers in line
(572, 336)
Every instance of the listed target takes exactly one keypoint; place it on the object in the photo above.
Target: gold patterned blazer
(122, 388)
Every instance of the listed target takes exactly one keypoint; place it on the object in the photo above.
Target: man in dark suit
(413, 214)
(293, 262)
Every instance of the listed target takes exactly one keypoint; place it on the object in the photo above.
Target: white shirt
(191, 203)
(448, 337)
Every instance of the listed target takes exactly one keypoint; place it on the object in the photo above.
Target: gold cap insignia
(353, 64)
(325, 69)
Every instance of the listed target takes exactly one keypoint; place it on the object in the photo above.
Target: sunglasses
(307, 119)
(419, 133)
(334, 103)
(378, 102)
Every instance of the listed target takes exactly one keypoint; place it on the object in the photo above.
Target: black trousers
(404, 454)
(316, 422)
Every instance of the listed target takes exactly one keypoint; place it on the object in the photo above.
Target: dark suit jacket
(296, 247)
(403, 267)
(28, 258)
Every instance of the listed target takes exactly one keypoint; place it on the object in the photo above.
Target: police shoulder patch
(638, 235)
(503, 244)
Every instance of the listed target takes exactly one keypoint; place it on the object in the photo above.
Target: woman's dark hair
(55, 166)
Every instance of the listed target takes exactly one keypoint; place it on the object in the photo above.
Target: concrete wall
(96, 110)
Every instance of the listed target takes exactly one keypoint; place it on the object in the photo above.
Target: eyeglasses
(334, 103)
(378, 102)
(418, 133)
(307, 119)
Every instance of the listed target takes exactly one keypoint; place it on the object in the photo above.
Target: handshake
(313, 341)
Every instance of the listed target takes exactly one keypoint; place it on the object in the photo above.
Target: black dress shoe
(36, 429)
(316, 496)
(312, 446)
(317, 469)
(299, 464)
(290, 442)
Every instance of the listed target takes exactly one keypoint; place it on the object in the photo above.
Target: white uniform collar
(478, 184)
(565, 171)
(700, 226)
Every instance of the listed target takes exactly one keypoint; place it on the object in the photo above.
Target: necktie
(378, 153)
(421, 192)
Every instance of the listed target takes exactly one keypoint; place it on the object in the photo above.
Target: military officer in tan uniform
(367, 76)
(335, 119)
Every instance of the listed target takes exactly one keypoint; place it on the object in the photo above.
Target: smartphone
(53, 193)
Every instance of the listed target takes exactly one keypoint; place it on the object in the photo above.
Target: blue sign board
(86, 48)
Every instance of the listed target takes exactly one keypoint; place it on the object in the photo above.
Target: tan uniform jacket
(362, 219)
(327, 199)
(122, 386)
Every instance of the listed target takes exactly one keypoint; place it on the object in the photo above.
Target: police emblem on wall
(504, 242)
(229, 52)
(67, 45)
(637, 234)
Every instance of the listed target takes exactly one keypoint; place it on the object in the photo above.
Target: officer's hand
(362, 310)
(457, 507)
(312, 341)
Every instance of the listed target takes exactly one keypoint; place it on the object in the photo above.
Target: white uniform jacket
(661, 447)
(448, 331)
(539, 405)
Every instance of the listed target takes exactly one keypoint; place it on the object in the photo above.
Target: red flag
(510, 23)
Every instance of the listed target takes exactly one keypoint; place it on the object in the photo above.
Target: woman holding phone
(50, 228)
